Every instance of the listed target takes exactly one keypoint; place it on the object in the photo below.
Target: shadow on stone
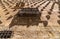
(26, 16)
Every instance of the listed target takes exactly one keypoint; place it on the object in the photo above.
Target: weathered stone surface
(51, 31)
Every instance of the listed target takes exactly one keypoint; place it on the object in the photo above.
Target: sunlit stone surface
(49, 28)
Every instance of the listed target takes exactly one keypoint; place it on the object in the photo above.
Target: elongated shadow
(26, 16)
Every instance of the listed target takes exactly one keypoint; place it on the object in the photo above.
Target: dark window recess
(0, 22)
(5, 34)
(26, 16)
